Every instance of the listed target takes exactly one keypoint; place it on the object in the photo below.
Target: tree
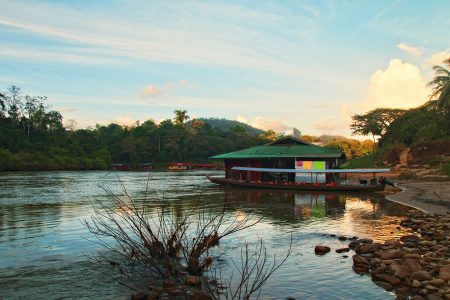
(375, 122)
(2, 105)
(180, 117)
(441, 86)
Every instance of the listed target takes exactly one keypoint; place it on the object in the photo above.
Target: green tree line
(32, 137)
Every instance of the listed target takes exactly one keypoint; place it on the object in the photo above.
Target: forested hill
(225, 125)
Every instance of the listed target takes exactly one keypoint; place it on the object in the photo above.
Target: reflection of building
(288, 205)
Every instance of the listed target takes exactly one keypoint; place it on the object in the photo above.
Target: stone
(437, 282)
(434, 297)
(321, 250)
(390, 254)
(360, 261)
(410, 239)
(365, 241)
(364, 248)
(394, 267)
(420, 276)
(385, 285)
(342, 238)
(193, 280)
(416, 284)
(412, 264)
(360, 269)
(444, 273)
(352, 245)
(417, 297)
(402, 272)
(431, 288)
(388, 278)
(169, 283)
(341, 250)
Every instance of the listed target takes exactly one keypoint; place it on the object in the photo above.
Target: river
(45, 249)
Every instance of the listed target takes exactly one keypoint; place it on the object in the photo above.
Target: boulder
(420, 276)
(434, 296)
(410, 239)
(360, 261)
(341, 250)
(402, 272)
(352, 245)
(321, 250)
(364, 248)
(416, 284)
(365, 241)
(412, 264)
(437, 282)
(388, 278)
(444, 273)
(385, 285)
(342, 238)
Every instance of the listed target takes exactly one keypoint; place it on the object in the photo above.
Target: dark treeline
(32, 137)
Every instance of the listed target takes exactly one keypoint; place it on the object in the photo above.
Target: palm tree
(180, 117)
(441, 86)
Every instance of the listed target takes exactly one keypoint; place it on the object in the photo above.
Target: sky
(271, 64)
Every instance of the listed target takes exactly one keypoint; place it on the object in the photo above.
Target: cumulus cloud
(414, 51)
(341, 121)
(124, 121)
(264, 123)
(437, 58)
(153, 91)
(400, 85)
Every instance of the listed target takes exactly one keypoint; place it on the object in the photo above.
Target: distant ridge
(225, 125)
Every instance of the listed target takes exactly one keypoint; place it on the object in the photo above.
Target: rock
(197, 294)
(434, 297)
(169, 283)
(352, 245)
(416, 284)
(402, 272)
(365, 241)
(431, 288)
(360, 261)
(417, 297)
(437, 282)
(360, 269)
(410, 239)
(412, 264)
(193, 280)
(321, 250)
(388, 278)
(420, 276)
(341, 250)
(444, 273)
(385, 285)
(342, 238)
(394, 267)
(384, 255)
(364, 248)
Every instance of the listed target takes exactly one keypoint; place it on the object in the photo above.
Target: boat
(335, 183)
(294, 164)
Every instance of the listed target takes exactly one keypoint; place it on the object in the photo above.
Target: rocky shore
(415, 266)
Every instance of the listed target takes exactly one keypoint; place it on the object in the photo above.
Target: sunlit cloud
(437, 59)
(414, 51)
(400, 85)
(154, 91)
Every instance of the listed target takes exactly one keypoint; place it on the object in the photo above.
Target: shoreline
(432, 197)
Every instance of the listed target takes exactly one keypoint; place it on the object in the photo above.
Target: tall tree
(180, 117)
(441, 86)
(2, 105)
(375, 122)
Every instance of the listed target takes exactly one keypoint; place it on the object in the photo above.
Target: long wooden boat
(367, 186)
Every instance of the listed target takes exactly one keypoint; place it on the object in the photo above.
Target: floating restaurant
(292, 163)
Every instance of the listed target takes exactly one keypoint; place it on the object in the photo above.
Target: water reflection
(44, 252)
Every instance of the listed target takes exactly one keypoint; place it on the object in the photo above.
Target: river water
(45, 249)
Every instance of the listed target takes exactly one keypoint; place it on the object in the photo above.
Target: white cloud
(414, 51)
(264, 123)
(124, 121)
(400, 85)
(153, 91)
(437, 58)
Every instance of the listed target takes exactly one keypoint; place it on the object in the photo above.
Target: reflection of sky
(42, 236)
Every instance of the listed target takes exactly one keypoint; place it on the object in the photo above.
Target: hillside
(225, 125)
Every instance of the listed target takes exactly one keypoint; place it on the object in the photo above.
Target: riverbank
(428, 196)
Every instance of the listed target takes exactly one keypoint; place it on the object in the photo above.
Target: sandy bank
(429, 196)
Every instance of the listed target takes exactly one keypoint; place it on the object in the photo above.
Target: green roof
(271, 151)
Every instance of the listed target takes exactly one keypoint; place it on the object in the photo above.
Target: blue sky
(272, 64)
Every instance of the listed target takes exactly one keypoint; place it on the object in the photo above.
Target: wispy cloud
(414, 51)
(377, 16)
